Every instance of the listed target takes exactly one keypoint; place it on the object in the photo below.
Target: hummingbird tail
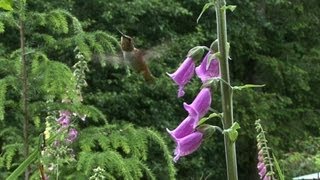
(148, 77)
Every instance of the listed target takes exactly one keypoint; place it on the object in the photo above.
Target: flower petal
(183, 74)
(185, 128)
(213, 71)
(188, 145)
(201, 104)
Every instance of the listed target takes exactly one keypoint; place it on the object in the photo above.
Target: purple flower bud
(200, 104)
(266, 177)
(186, 127)
(260, 156)
(72, 135)
(187, 145)
(212, 71)
(183, 74)
(262, 169)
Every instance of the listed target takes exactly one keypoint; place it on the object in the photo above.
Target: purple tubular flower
(187, 145)
(200, 104)
(213, 71)
(186, 137)
(185, 128)
(72, 135)
(64, 119)
(183, 74)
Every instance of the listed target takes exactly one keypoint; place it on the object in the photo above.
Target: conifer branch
(25, 91)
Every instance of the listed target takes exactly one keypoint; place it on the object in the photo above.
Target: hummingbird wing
(113, 59)
(155, 52)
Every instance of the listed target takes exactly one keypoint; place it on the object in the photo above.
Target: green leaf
(229, 7)
(232, 132)
(212, 115)
(6, 5)
(277, 166)
(248, 86)
(205, 7)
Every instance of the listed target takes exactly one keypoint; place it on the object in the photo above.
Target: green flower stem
(226, 91)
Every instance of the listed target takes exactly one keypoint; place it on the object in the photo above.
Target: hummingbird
(135, 58)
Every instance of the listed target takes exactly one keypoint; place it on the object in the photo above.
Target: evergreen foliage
(121, 150)
(3, 90)
(54, 34)
(274, 42)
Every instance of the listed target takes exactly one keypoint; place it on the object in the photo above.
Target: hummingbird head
(126, 42)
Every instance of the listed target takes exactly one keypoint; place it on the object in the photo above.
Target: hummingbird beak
(122, 34)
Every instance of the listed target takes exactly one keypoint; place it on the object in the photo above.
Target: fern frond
(134, 168)
(111, 160)
(156, 137)
(7, 18)
(47, 39)
(118, 141)
(109, 176)
(80, 42)
(77, 27)
(6, 66)
(57, 22)
(147, 171)
(118, 163)
(11, 134)
(107, 42)
(140, 149)
(121, 149)
(88, 139)
(9, 152)
(56, 81)
(97, 42)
